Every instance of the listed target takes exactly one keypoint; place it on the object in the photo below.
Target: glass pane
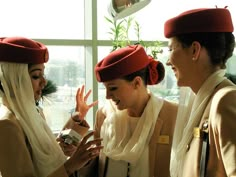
(167, 88)
(66, 69)
(51, 19)
(231, 64)
(152, 17)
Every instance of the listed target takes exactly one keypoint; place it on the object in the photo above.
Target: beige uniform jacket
(222, 138)
(159, 145)
(15, 150)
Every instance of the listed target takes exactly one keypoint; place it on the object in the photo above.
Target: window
(66, 69)
(43, 19)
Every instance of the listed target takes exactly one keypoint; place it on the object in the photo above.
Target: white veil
(18, 93)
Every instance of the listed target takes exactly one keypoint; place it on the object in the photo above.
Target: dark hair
(144, 74)
(1, 88)
(231, 77)
(220, 45)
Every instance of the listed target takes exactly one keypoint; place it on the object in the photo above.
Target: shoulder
(14, 150)
(170, 105)
(224, 96)
(10, 125)
(169, 108)
(105, 110)
(100, 115)
(11, 134)
(168, 112)
(101, 112)
(223, 106)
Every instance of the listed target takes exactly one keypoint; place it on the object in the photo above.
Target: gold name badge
(163, 139)
(196, 132)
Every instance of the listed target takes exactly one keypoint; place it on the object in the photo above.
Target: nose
(108, 94)
(168, 62)
(44, 81)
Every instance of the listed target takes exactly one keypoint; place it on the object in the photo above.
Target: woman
(135, 125)
(28, 148)
(204, 144)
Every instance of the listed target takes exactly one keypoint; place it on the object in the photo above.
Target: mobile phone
(70, 136)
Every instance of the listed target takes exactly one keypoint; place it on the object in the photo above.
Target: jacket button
(205, 125)
(187, 148)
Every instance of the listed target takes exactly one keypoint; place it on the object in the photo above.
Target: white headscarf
(189, 116)
(117, 142)
(18, 93)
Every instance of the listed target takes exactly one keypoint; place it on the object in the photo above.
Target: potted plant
(119, 32)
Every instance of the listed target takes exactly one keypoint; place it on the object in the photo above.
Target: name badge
(196, 132)
(199, 133)
(163, 139)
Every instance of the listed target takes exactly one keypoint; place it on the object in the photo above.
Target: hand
(68, 149)
(86, 151)
(81, 106)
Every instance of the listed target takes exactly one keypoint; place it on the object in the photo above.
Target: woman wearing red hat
(27, 146)
(204, 144)
(136, 126)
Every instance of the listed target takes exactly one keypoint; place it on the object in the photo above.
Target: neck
(139, 105)
(202, 77)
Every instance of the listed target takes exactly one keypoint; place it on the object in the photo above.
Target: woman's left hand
(87, 150)
(68, 149)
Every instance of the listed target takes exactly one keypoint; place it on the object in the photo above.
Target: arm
(77, 121)
(15, 156)
(223, 120)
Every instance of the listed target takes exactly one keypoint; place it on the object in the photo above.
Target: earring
(193, 58)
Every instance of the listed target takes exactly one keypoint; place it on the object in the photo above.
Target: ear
(137, 81)
(196, 48)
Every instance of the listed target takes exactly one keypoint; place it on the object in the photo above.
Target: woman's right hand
(81, 102)
(86, 151)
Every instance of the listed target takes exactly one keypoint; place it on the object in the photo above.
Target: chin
(179, 83)
(119, 108)
(182, 84)
(37, 98)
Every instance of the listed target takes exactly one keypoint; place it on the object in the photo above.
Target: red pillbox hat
(22, 50)
(128, 60)
(199, 20)
(121, 62)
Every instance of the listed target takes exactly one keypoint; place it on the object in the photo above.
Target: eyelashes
(38, 77)
(112, 88)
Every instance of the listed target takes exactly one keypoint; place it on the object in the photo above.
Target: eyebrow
(37, 69)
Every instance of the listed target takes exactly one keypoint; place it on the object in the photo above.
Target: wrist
(75, 116)
(69, 171)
